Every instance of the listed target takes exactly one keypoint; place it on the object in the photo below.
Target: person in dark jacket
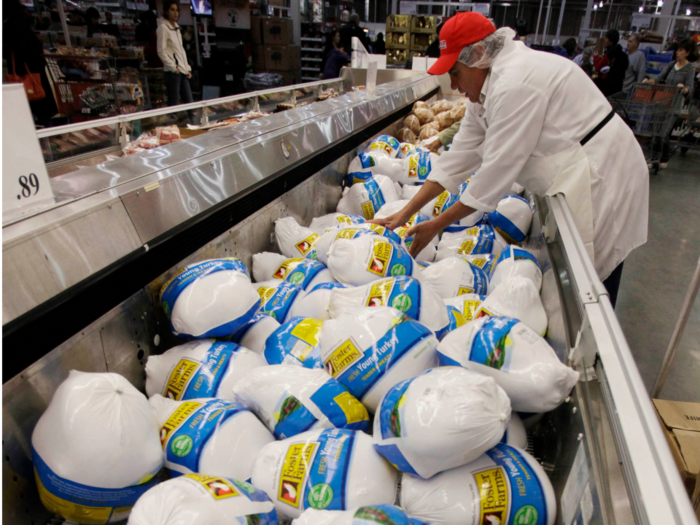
(332, 42)
(92, 21)
(614, 79)
(20, 42)
(379, 47)
(334, 62)
(350, 30)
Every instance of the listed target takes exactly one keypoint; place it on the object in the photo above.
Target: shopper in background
(92, 21)
(332, 42)
(534, 119)
(585, 61)
(21, 46)
(379, 47)
(567, 49)
(335, 61)
(637, 68)
(681, 73)
(172, 53)
(351, 29)
(612, 76)
(110, 27)
(146, 35)
(612, 38)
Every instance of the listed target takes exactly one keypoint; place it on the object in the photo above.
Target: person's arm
(427, 192)
(641, 72)
(448, 135)
(689, 80)
(168, 61)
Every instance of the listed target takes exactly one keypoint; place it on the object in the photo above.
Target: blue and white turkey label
(511, 492)
(296, 342)
(485, 261)
(190, 426)
(292, 417)
(389, 259)
(327, 286)
(390, 419)
(172, 289)
(348, 220)
(340, 407)
(375, 198)
(359, 369)
(419, 166)
(314, 475)
(402, 293)
(401, 231)
(240, 334)
(512, 252)
(276, 302)
(359, 176)
(299, 271)
(380, 515)
(386, 143)
(480, 285)
(505, 226)
(491, 345)
(193, 379)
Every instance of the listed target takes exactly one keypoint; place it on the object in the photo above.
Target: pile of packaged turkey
(347, 382)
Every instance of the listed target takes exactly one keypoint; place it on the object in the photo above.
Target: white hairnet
(471, 55)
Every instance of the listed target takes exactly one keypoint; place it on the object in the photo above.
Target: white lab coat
(536, 109)
(170, 49)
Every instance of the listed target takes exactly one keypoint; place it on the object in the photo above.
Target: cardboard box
(696, 497)
(283, 58)
(256, 29)
(681, 424)
(277, 31)
(258, 56)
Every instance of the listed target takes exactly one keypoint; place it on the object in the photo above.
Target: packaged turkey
(278, 297)
(326, 240)
(514, 261)
(371, 351)
(454, 276)
(212, 298)
(95, 449)
(384, 143)
(255, 332)
(202, 368)
(516, 297)
(334, 220)
(332, 469)
(306, 273)
(367, 515)
(296, 342)
(366, 198)
(512, 218)
(291, 400)
(462, 309)
(442, 419)
(295, 240)
(516, 356)
(315, 303)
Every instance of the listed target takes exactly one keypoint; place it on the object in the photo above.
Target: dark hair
(613, 35)
(91, 13)
(167, 4)
(380, 36)
(521, 27)
(570, 46)
(689, 46)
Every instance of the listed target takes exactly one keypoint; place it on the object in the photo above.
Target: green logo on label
(245, 486)
(423, 171)
(296, 278)
(527, 515)
(320, 496)
(181, 446)
(398, 269)
(402, 302)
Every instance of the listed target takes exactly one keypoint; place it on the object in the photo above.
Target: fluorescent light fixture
(595, 7)
(687, 12)
(641, 9)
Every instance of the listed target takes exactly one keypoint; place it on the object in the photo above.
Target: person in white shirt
(538, 120)
(172, 53)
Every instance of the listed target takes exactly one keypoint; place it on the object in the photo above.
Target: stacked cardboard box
(273, 48)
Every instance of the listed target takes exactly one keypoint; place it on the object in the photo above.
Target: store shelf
(317, 50)
(310, 59)
(311, 69)
(309, 79)
(309, 39)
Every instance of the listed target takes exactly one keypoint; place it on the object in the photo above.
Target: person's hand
(648, 81)
(422, 234)
(392, 221)
(434, 145)
(189, 74)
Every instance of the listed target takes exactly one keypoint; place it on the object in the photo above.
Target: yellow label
(177, 419)
(305, 246)
(467, 247)
(379, 293)
(483, 312)
(460, 319)
(265, 293)
(406, 147)
(478, 262)
(296, 463)
(342, 357)
(179, 378)
(473, 231)
(413, 166)
(493, 495)
(470, 308)
(381, 230)
(368, 210)
(381, 254)
(347, 233)
(381, 145)
(286, 267)
(343, 219)
(72, 511)
(354, 410)
(440, 203)
(219, 488)
(308, 331)
(463, 289)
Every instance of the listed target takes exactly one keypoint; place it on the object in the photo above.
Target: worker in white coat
(538, 120)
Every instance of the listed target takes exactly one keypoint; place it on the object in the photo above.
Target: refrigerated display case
(81, 283)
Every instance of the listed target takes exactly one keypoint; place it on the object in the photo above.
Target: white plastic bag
(516, 435)
(95, 449)
(454, 276)
(315, 302)
(201, 499)
(512, 218)
(278, 297)
(485, 261)
(414, 299)
(371, 351)
(478, 240)
(306, 273)
(504, 485)
(212, 298)
(368, 515)
(295, 240)
(518, 358)
(333, 469)
(365, 165)
(514, 261)
(296, 342)
(367, 258)
(516, 297)
(326, 240)
(290, 400)
(462, 309)
(334, 220)
(442, 419)
(365, 198)
(197, 369)
(384, 143)
(255, 332)
(215, 436)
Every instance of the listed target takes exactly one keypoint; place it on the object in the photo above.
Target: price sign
(25, 182)
(371, 84)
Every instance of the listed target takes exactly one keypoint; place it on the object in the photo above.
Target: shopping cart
(687, 135)
(651, 111)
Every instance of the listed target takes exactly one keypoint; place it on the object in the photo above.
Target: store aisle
(656, 278)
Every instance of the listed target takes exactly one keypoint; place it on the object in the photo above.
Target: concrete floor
(657, 275)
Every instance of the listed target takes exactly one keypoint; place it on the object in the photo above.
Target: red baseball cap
(458, 32)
